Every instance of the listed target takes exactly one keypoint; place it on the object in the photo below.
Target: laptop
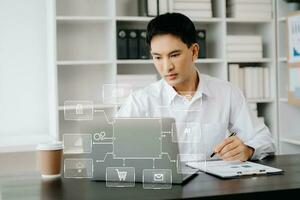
(129, 150)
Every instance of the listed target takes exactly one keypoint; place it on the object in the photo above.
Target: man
(191, 97)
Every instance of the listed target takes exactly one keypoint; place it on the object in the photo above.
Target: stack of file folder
(244, 47)
(192, 8)
(249, 9)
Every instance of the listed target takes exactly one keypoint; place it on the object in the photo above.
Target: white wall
(27, 80)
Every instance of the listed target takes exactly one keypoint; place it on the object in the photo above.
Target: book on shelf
(196, 5)
(266, 77)
(254, 81)
(249, 15)
(244, 39)
(192, 8)
(163, 6)
(234, 75)
(249, 9)
(251, 55)
(196, 13)
(249, 1)
(152, 7)
(260, 80)
(244, 47)
(248, 92)
(142, 7)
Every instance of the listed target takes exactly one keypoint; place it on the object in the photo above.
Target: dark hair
(172, 23)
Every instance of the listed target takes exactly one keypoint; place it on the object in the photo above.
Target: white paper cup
(50, 159)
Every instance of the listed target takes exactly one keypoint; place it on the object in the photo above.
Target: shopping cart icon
(122, 175)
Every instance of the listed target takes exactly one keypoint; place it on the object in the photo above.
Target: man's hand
(233, 148)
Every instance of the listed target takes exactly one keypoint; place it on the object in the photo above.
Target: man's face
(173, 59)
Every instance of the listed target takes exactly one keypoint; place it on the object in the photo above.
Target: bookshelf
(86, 53)
(288, 115)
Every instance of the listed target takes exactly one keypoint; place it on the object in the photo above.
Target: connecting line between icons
(109, 122)
(104, 157)
(123, 162)
(165, 153)
(153, 163)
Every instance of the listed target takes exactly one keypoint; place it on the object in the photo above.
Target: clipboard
(234, 169)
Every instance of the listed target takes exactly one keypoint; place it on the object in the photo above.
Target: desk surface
(31, 186)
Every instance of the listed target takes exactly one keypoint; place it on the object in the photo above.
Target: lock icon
(79, 109)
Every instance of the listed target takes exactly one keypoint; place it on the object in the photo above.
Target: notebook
(231, 169)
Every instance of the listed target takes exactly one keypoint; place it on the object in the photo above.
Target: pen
(232, 134)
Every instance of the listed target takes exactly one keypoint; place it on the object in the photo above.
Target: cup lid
(50, 146)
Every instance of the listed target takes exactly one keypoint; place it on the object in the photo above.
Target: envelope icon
(159, 177)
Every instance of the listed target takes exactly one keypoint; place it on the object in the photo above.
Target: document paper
(227, 169)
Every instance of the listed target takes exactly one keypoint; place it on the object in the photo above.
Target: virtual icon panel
(120, 177)
(116, 94)
(186, 132)
(77, 143)
(157, 179)
(78, 168)
(78, 110)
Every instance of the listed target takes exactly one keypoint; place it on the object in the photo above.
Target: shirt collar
(202, 89)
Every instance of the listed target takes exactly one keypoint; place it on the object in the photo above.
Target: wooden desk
(31, 186)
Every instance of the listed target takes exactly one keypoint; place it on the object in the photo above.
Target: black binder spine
(143, 47)
(122, 44)
(201, 40)
(133, 46)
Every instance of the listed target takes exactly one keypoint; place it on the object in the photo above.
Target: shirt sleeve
(252, 131)
(131, 108)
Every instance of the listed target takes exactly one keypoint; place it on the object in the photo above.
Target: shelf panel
(133, 19)
(83, 62)
(261, 60)
(82, 19)
(147, 19)
(210, 60)
(282, 19)
(246, 20)
(283, 59)
(260, 100)
(150, 61)
(285, 100)
(135, 61)
(207, 20)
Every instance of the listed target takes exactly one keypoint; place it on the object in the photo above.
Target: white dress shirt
(217, 107)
